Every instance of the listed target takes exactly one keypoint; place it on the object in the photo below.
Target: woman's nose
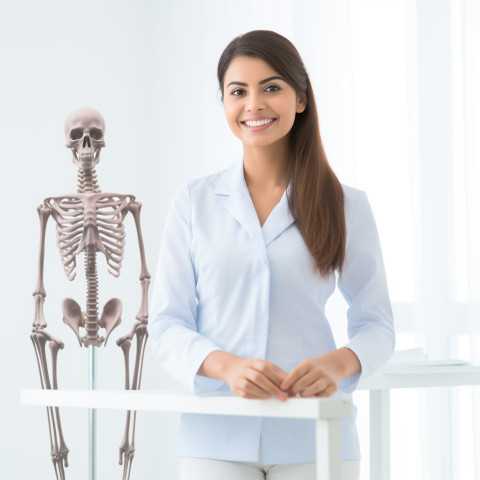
(255, 102)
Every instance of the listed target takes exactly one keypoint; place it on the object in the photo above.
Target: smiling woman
(264, 103)
(249, 258)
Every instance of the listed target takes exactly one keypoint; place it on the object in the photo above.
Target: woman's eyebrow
(261, 82)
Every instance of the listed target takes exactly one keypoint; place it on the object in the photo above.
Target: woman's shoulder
(353, 199)
(199, 191)
(351, 193)
(206, 183)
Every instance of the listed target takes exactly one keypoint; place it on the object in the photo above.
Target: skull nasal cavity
(86, 141)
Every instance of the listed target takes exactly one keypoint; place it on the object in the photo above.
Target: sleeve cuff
(199, 384)
(368, 365)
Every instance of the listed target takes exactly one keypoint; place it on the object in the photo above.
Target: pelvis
(75, 318)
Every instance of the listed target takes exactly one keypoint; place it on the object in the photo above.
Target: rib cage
(68, 215)
(90, 218)
(111, 211)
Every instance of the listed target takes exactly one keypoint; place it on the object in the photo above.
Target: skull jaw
(86, 160)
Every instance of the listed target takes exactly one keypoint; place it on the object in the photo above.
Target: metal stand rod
(92, 414)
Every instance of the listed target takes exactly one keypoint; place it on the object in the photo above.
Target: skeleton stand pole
(92, 414)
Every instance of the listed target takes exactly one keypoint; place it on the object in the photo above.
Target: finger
(303, 382)
(243, 394)
(273, 372)
(329, 391)
(316, 387)
(261, 381)
(252, 390)
(293, 376)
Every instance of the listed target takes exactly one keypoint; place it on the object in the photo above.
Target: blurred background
(396, 85)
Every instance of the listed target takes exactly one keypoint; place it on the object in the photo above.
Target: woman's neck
(265, 168)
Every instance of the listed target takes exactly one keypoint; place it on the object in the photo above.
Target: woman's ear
(301, 103)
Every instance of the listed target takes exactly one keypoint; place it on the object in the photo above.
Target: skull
(84, 131)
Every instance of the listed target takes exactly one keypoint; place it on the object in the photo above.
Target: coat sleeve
(172, 328)
(363, 284)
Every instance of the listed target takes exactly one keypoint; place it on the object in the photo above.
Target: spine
(91, 321)
(87, 180)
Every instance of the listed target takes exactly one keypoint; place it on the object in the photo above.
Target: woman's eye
(275, 88)
(239, 91)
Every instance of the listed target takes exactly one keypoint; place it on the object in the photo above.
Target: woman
(247, 262)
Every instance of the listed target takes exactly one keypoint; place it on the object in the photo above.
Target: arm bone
(142, 315)
(39, 321)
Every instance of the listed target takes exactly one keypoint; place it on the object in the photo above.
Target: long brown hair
(316, 198)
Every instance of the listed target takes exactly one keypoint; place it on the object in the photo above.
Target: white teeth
(257, 123)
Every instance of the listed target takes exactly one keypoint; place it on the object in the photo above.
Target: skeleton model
(89, 221)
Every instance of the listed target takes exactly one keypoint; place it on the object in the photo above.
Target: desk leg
(328, 441)
(380, 434)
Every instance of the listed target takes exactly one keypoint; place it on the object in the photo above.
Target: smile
(257, 125)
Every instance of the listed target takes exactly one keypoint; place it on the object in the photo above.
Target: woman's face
(260, 105)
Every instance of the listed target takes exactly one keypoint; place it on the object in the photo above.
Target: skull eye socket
(96, 133)
(76, 134)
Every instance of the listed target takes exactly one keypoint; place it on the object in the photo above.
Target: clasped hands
(263, 379)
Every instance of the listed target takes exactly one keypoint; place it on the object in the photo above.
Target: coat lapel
(279, 219)
(240, 205)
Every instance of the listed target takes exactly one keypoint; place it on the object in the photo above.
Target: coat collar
(239, 204)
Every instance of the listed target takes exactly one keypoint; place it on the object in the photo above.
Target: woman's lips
(258, 128)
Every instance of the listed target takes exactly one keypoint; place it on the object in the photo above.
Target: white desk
(326, 412)
(380, 385)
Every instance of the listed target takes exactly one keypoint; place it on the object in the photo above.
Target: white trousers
(206, 469)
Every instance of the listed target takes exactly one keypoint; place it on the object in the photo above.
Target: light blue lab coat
(223, 282)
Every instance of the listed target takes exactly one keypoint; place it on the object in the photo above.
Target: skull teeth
(86, 157)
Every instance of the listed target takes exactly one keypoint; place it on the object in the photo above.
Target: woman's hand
(320, 376)
(312, 377)
(250, 378)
